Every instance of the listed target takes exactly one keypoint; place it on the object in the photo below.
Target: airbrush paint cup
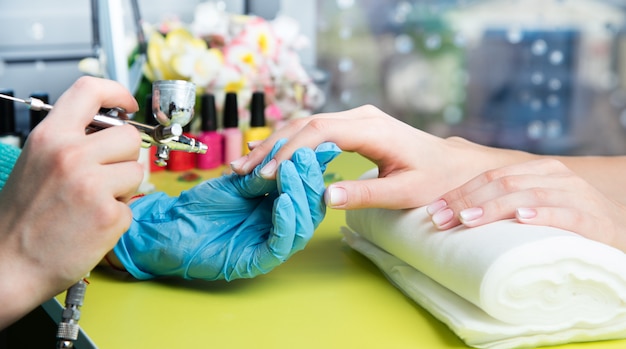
(173, 101)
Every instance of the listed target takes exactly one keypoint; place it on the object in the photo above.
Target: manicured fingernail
(436, 206)
(470, 214)
(238, 164)
(526, 213)
(269, 169)
(442, 217)
(253, 144)
(336, 196)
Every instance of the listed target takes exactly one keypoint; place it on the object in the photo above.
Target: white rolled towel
(501, 285)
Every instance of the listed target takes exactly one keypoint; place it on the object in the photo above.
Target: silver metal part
(68, 329)
(33, 103)
(173, 101)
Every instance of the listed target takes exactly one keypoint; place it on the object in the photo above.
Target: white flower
(210, 19)
(91, 66)
(287, 31)
(200, 65)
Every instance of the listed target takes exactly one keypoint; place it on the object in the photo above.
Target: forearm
(475, 158)
(603, 172)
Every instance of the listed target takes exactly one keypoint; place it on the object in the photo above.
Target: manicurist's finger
(290, 182)
(85, 98)
(114, 144)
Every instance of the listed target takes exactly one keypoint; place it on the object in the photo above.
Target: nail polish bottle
(258, 131)
(152, 121)
(8, 131)
(182, 160)
(209, 135)
(233, 138)
(36, 116)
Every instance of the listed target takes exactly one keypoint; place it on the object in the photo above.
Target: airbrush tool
(173, 103)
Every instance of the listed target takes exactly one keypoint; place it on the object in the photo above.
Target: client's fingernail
(269, 169)
(436, 206)
(253, 144)
(336, 196)
(238, 164)
(526, 213)
(470, 214)
(442, 217)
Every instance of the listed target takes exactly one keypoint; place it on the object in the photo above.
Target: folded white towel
(501, 285)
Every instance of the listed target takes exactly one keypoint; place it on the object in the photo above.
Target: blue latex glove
(229, 227)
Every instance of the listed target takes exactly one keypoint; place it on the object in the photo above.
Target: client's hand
(540, 192)
(230, 227)
(414, 167)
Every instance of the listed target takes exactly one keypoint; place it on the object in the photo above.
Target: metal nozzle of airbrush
(33, 103)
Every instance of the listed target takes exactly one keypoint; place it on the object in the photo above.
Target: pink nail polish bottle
(209, 135)
(233, 137)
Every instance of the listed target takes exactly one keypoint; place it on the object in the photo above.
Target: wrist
(21, 289)
(480, 158)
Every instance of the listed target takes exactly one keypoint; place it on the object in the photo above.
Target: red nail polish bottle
(182, 160)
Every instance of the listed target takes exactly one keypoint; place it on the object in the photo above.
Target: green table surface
(326, 296)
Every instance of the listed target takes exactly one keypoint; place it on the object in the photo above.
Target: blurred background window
(545, 76)
(540, 75)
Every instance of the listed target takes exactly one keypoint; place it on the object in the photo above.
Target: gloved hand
(229, 227)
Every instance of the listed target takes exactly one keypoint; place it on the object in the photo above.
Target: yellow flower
(180, 55)
(159, 55)
(244, 58)
(259, 36)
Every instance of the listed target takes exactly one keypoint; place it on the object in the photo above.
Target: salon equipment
(68, 329)
(173, 107)
(229, 227)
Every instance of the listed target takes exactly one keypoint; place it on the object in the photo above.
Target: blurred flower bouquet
(222, 52)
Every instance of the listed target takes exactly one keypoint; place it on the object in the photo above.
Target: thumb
(84, 98)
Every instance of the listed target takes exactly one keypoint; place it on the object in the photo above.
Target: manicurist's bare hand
(64, 205)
